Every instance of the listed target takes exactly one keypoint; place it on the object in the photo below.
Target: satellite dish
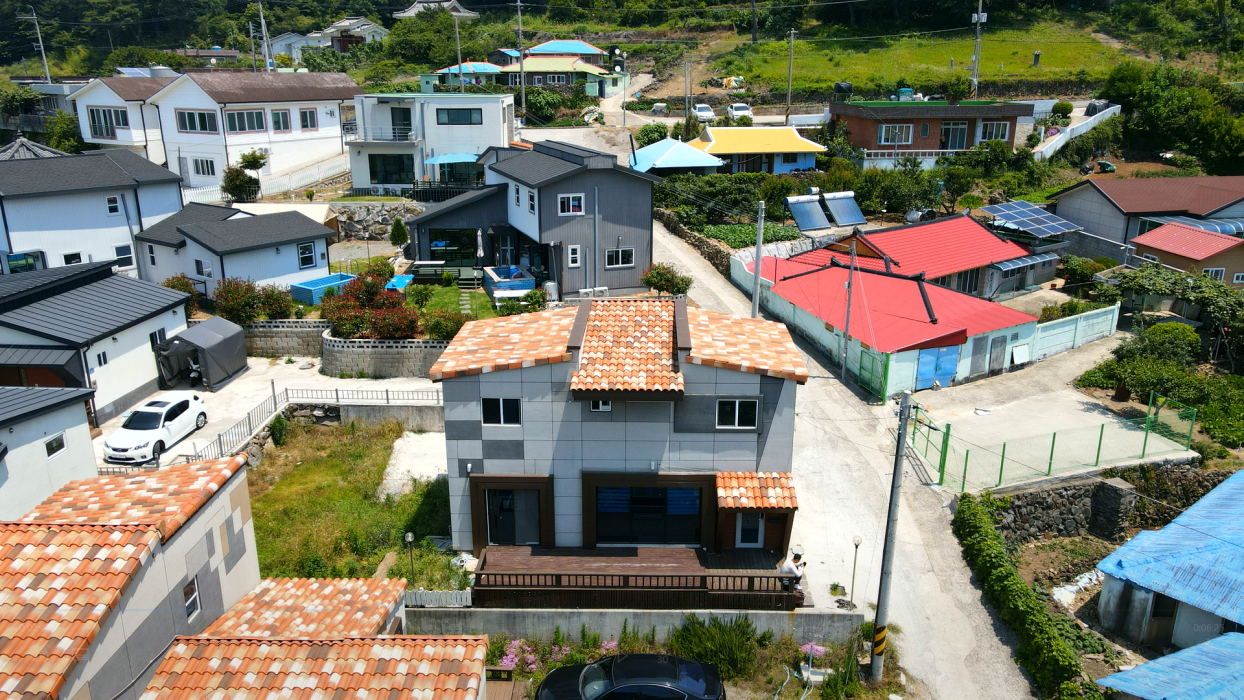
(912, 216)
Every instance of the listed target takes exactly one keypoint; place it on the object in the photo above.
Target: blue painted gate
(937, 364)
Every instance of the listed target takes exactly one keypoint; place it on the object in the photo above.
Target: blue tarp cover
(1197, 559)
(1231, 227)
(1212, 670)
(672, 153)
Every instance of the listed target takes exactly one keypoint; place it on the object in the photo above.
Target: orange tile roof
(755, 490)
(166, 497)
(508, 342)
(424, 668)
(628, 346)
(310, 608)
(744, 344)
(58, 584)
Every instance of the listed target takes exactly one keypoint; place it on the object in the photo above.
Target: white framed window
(517, 199)
(602, 406)
(308, 119)
(205, 167)
(537, 80)
(101, 359)
(558, 79)
(502, 411)
(280, 120)
(1215, 273)
(969, 281)
(570, 204)
(573, 256)
(1150, 257)
(203, 268)
(995, 130)
(894, 134)
(459, 117)
(104, 121)
(196, 122)
(124, 255)
(72, 258)
(151, 254)
(242, 122)
(114, 205)
(531, 201)
(737, 413)
(306, 255)
(190, 595)
(620, 257)
(54, 445)
(1238, 278)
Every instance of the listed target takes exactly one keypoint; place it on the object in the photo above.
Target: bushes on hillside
(1174, 342)
(650, 134)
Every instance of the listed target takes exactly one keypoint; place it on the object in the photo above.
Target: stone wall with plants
(371, 221)
(285, 338)
(715, 252)
(1177, 485)
(1083, 506)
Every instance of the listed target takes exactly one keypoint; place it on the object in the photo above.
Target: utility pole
(458, 44)
(846, 330)
(977, 19)
(686, 92)
(887, 554)
(753, 21)
(760, 241)
(790, 69)
(251, 27)
(110, 46)
(39, 35)
(522, 73)
(267, 47)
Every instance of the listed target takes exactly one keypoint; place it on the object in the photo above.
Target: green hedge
(1042, 650)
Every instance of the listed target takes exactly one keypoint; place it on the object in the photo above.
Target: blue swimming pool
(311, 291)
(399, 282)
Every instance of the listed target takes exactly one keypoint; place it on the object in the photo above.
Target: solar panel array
(809, 216)
(135, 72)
(1030, 218)
(845, 212)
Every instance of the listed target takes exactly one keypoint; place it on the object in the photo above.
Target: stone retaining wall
(715, 252)
(371, 220)
(379, 358)
(297, 337)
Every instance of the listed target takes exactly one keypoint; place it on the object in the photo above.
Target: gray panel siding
(625, 210)
(480, 215)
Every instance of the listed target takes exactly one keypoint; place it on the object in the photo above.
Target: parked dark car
(634, 677)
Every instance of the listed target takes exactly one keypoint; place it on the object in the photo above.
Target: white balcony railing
(383, 133)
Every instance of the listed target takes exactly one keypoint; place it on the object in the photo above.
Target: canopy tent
(452, 158)
(217, 346)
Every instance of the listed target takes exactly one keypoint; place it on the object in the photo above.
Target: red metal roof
(887, 313)
(1186, 241)
(936, 248)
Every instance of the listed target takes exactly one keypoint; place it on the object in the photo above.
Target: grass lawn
(1067, 52)
(448, 298)
(316, 511)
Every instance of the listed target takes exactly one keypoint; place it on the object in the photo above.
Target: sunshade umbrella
(479, 243)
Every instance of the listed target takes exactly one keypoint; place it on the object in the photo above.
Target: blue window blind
(613, 499)
(682, 502)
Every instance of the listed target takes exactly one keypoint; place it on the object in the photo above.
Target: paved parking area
(245, 391)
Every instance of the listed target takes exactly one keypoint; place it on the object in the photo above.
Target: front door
(979, 347)
(997, 355)
(775, 531)
(954, 136)
(513, 516)
(749, 530)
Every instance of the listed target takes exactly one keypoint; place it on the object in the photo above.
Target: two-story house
(345, 34)
(404, 138)
(559, 212)
(113, 568)
(75, 209)
(208, 120)
(620, 422)
(85, 326)
(114, 112)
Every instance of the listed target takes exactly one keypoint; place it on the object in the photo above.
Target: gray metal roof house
(85, 326)
(557, 212)
(45, 442)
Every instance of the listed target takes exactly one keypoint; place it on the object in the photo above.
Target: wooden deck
(630, 577)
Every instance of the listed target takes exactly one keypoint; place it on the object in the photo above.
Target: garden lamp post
(857, 541)
(410, 544)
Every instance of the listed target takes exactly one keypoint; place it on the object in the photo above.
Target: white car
(155, 426)
(738, 109)
(704, 113)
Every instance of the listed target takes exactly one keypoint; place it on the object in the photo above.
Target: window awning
(1231, 227)
(756, 491)
(452, 158)
(1024, 261)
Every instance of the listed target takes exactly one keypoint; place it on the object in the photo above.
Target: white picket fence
(1070, 132)
(202, 195)
(289, 182)
(438, 599)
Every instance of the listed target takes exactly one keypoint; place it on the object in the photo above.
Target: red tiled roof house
(1215, 254)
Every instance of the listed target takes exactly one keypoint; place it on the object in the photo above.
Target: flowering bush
(401, 322)
(182, 283)
(815, 650)
(237, 300)
(365, 309)
(275, 301)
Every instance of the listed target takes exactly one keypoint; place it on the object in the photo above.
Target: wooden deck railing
(644, 591)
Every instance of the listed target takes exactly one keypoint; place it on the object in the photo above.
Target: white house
(208, 120)
(45, 442)
(113, 112)
(77, 209)
(209, 243)
(402, 138)
(291, 44)
(86, 326)
(347, 33)
(156, 570)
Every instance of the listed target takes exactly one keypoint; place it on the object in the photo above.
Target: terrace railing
(500, 589)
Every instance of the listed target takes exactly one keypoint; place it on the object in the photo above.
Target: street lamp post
(857, 542)
(410, 544)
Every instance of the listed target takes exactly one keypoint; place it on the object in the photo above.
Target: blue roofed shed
(671, 156)
(1183, 584)
(1210, 671)
(564, 47)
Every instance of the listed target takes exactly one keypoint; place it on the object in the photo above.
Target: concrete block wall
(1087, 245)
(380, 358)
(298, 337)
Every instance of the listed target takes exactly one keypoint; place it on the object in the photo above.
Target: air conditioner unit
(600, 292)
(585, 293)
(375, 190)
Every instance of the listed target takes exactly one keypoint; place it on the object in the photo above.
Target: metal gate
(997, 355)
(873, 371)
(937, 365)
(980, 349)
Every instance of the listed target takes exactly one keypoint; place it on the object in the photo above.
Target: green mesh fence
(872, 372)
(965, 466)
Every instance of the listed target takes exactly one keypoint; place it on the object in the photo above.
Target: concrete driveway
(234, 400)
(843, 461)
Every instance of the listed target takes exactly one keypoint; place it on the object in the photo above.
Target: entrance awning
(452, 158)
(1024, 261)
(756, 491)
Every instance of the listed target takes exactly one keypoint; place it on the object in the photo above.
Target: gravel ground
(350, 250)
(415, 456)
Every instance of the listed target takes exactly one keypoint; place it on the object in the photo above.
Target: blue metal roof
(1231, 227)
(1212, 670)
(1024, 261)
(1197, 559)
(564, 46)
(672, 153)
(1030, 219)
(469, 67)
